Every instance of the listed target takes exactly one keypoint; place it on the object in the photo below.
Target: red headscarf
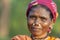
(49, 3)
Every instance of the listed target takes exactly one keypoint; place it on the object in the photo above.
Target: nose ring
(39, 24)
(33, 24)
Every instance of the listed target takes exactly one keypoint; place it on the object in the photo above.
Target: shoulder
(21, 37)
(55, 38)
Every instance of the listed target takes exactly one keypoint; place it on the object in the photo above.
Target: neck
(39, 36)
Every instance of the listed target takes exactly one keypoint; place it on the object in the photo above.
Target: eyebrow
(43, 17)
(32, 16)
(39, 16)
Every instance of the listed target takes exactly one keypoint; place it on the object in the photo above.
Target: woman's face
(38, 21)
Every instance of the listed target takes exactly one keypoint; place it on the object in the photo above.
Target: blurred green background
(18, 22)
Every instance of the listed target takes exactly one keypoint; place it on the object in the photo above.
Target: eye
(43, 19)
(32, 17)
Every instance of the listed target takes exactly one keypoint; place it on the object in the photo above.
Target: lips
(36, 28)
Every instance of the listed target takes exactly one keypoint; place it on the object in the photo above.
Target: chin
(36, 33)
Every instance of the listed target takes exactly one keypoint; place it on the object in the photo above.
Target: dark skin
(40, 17)
(39, 20)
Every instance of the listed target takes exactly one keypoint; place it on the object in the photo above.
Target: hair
(35, 6)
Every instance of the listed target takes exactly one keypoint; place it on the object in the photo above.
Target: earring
(33, 24)
(49, 29)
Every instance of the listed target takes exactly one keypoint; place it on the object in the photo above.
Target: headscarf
(48, 3)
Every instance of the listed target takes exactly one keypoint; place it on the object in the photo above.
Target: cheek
(30, 22)
(46, 26)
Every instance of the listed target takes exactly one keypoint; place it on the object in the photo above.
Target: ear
(51, 24)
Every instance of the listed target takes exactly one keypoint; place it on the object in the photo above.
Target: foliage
(18, 23)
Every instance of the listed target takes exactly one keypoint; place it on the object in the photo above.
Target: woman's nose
(37, 22)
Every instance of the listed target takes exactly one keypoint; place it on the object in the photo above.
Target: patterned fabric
(25, 37)
(21, 37)
(51, 38)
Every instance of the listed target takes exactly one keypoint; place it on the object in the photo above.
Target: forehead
(39, 11)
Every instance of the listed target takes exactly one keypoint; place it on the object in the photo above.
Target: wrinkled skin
(40, 17)
(38, 22)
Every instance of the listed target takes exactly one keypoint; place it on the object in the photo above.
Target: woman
(41, 15)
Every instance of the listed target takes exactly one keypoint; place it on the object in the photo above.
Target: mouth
(36, 29)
